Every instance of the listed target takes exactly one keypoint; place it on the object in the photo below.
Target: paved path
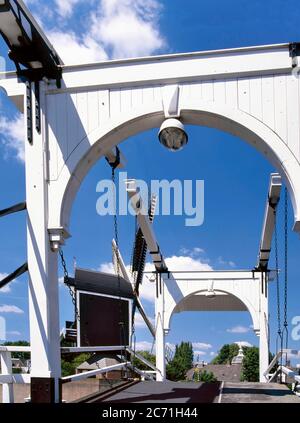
(246, 392)
(169, 392)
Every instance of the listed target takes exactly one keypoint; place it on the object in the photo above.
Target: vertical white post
(42, 263)
(160, 332)
(264, 329)
(6, 369)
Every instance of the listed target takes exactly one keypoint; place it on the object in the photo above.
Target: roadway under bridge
(197, 393)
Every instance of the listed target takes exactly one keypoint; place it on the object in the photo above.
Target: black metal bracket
(116, 163)
(13, 209)
(294, 49)
(37, 106)
(29, 112)
(14, 275)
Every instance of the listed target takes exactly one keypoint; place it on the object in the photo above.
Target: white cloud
(212, 353)
(13, 134)
(107, 268)
(76, 50)
(139, 321)
(14, 333)
(6, 288)
(65, 8)
(128, 28)
(192, 252)
(179, 263)
(144, 346)
(201, 345)
(244, 344)
(196, 353)
(239, 329)
(10, 309)
(225, 263)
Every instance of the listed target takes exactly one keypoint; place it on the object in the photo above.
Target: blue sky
(236, 176)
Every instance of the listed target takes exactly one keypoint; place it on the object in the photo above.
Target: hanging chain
(285, 318)
(67, 282)
(121, 322)
(277, 280)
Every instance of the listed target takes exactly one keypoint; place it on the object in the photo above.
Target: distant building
(98, 361)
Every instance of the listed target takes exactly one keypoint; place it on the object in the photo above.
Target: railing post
(6, 369)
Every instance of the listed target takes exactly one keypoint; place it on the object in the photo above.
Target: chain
(121, 323)
(285, 321)
(67, 282)
(277, 277)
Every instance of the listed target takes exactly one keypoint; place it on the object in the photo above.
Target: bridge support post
(264, 329)
(43, 277)
(160, 331)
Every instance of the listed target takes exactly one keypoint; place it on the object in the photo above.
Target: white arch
(245, 300)
(63, 191)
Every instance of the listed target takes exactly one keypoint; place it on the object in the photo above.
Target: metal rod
(14, 275)
(13, 209)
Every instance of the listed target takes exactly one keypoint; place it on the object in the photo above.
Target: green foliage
(20, 355)
(139, 364)
(181, 363)
(68, 367)
(250, 367)
(204, 376)
(226, 354)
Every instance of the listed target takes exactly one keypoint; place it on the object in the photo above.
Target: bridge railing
(7, 377)
(282, 370)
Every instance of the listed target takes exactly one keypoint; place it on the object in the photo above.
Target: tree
(226, 354)
(204, 376)
(139, 364)
(68, 367)
(250, 367)
(181, 363)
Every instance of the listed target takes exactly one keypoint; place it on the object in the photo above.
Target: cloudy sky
(236, 176)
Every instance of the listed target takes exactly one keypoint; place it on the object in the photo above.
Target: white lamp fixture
(172, 134)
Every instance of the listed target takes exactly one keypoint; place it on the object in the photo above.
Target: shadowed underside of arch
(222, 301)
(233, 121)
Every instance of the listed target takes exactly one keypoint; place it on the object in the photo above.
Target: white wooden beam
(269, 221)
(175, 68)
(126, 276)
(145, 225)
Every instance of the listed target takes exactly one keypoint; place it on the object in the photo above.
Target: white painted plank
(244, 94)
(268, 109)
(293, 113)
(93, 110)
(280, 104)
(231, 92)
(104, 106)
(51, 129)
(148, 95)
(61, 130)
(207, 91)
(115, 102)
(219, 91)
(195, 91)
(126, 100)
(256, 98)
(72, 122)
(82, 108)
